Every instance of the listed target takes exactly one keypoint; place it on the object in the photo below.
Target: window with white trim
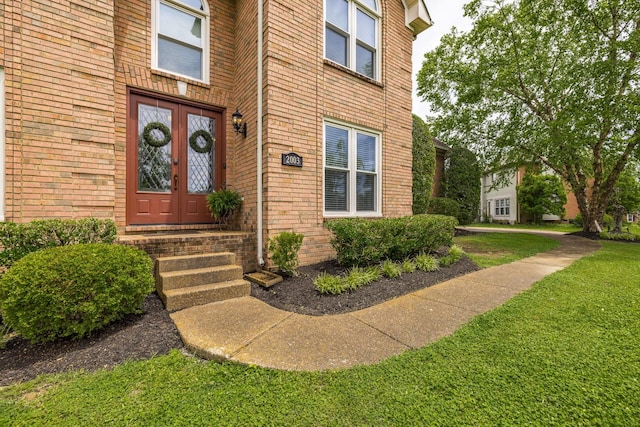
(502, 207)
(180, 38)
(352, 179)
(352, 34)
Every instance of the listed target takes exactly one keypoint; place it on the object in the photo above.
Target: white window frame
(352, 169)
(155, 30)
(502, 207)
(352, 42)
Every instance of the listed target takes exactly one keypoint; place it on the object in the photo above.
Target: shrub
(454, 255)
(408, 266)
(18, 240)
(618, 236)
(223, 203)
(284, 251)
(426, 262)
(70, 291)
(390, 269)
(359, 277)
(444, 206)
(607, 221)
(327, 284)
(364, 242)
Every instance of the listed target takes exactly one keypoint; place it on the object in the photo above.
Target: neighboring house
(441, 153)
(499, 202)
(123, 109)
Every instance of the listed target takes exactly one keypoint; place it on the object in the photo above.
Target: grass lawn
(567, 352)
(564, 228)
(490, 249)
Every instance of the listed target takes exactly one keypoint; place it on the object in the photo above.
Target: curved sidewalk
(248, 331)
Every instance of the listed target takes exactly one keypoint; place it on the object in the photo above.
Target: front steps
(190, 280)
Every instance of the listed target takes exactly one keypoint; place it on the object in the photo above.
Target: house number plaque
(292, 159)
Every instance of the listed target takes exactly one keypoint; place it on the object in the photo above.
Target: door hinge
(224, 165)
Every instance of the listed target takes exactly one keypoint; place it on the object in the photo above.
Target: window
(352, 179)
(352, 34)
(180, 43)
(630, 217)
(503, 207)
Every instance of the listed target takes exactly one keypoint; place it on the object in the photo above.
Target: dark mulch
(298, 294)
(134, 337)
(596, 236)
(152, 333)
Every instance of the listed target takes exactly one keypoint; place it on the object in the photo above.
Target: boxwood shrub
(70, 291)
(364, 242)
(18, 240)
(444, 206)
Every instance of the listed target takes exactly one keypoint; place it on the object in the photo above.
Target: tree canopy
(625, 198)
(541, 194)
(556, 82)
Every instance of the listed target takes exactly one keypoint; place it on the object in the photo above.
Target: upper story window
(180, 43)
(352, 33)
(352, 178)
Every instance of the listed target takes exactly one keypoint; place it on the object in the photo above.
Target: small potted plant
(223, 204)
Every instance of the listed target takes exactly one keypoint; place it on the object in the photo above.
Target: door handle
(175, 182)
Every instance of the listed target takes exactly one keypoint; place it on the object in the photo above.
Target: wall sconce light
(238, 124)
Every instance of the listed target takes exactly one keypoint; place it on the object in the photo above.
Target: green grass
(564, 228)
(490, 249)
(567, 352)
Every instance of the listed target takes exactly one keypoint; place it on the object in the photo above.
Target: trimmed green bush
(327, 284)
(390, 269)
(18, 240)
(284, 251)
(70, 291)
(366, 242)
(454, 255)
(426, 262)
(444, 206)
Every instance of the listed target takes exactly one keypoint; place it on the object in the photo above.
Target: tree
(424, 165)
(462, 177)
(541, 194)
(625, 198)
(550, 81)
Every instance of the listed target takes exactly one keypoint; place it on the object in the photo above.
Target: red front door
(175, 157)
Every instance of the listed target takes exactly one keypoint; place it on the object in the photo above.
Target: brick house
(499, 202)
(123, 109)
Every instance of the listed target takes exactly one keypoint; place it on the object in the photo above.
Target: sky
(444, 14)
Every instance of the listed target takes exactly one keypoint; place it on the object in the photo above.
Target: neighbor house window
(352, 30)
(352, 179)
(503, 207)
(180, 43)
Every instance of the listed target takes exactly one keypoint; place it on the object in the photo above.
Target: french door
(175, 157)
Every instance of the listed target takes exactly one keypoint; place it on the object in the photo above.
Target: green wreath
(193, 141)
(151, 140)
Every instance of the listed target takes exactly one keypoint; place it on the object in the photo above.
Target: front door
(175, 157)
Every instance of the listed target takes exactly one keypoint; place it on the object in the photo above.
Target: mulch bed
(153, 333)
(298, 294)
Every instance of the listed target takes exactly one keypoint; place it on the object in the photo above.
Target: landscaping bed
(153, 333)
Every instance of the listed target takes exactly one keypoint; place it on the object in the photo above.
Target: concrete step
(178, 299)
(197, 277)
(190, 262)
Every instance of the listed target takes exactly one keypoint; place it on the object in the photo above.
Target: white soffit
(416, 16)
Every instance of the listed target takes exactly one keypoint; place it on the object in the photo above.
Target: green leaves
(552, 81)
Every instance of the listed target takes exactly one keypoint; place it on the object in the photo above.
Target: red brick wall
(69, 65)
(58, 58)
(302, 89)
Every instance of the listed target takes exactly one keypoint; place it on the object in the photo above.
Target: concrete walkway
(246, 330)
